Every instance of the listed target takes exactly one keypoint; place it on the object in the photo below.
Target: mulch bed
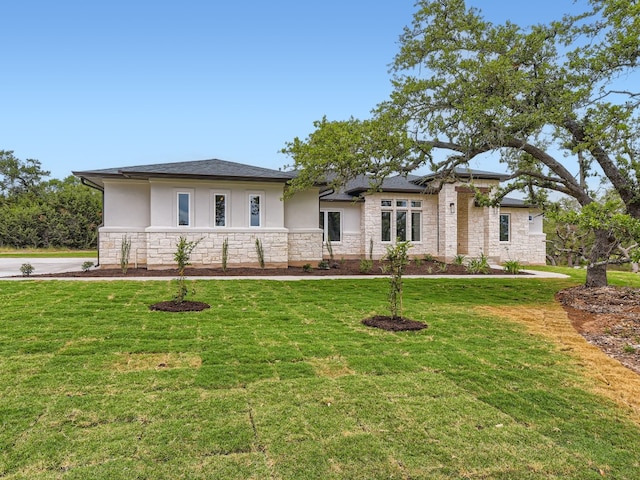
(393, 324)
(607, 317)
(185, 306)
(343, 267)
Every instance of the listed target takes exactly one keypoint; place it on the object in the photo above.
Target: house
(216, 202)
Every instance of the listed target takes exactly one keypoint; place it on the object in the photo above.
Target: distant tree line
(40, 213)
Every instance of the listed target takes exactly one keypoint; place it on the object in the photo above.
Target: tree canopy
(549, 100)
(40, 213)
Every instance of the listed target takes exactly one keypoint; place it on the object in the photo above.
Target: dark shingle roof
(515, 203)
(198, 169)
(463, 172)
(362, 184)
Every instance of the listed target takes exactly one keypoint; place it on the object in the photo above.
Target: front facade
(242, 207)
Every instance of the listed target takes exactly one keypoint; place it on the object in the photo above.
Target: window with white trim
(331, 225)
(184, 209)
(401, 220)
(219, 209)
(255, 210)
(505, 230)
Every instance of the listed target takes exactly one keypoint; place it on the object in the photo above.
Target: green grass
(279, 380)
(45, 253)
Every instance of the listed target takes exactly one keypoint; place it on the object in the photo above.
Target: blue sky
(98, 84)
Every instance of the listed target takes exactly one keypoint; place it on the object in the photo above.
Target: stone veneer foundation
(156, 249)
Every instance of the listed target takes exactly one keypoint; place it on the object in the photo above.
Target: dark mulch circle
(173, 306)
(393, 324)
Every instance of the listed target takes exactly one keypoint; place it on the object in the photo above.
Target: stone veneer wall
(156, 249)
(305, 247)
(372, 225)
(110, 247)
(525, 247)
(241, 248)
(349, 247)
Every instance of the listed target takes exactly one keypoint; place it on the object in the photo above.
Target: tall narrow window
(220, 209)
(401, 225)
(504, 227)
(254, 210)
(331, 225)
(416, 226)
(184, 216)
(334, 226)
(386, 226)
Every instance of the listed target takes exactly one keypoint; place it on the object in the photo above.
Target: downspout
(95, 186)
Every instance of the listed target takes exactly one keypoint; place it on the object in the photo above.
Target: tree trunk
(597, 269)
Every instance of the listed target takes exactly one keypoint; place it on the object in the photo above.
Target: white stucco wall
(126, 204)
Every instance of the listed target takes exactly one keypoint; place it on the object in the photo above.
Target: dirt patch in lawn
(132, 362)
(594, 325)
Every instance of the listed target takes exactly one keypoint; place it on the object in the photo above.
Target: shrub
(427, 257)
(478, 265)
(86, 266)
(307, 267)
(26, 269)
(330, 250)
(323, 265)
(125, 251)
(366, 265)
(512, 266)
(225, 253)
(458, 260)
(260, 252)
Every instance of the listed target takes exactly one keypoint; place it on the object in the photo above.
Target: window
(401, 225)
(184, 214)
(386, 226)
(407, 224)
(416, 226)
(254, 210)
(504, 227)
(219, 209)
(331, 225)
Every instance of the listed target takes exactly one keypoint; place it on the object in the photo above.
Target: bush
(225, 253)
(26, 269)
(478, 265)
(323, 265)
(366, 265)
(260, 252)
(512, 266)
(125, 250)
(86, 266)
(307, 267)
(458, 260)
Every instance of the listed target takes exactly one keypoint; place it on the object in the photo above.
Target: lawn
(279, 380)
(7, 252)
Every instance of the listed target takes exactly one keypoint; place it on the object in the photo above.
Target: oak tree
(548, 100)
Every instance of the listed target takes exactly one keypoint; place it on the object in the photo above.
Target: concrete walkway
(10, 270)
(10, 267)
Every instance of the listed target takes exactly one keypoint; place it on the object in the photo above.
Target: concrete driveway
(10, 267)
